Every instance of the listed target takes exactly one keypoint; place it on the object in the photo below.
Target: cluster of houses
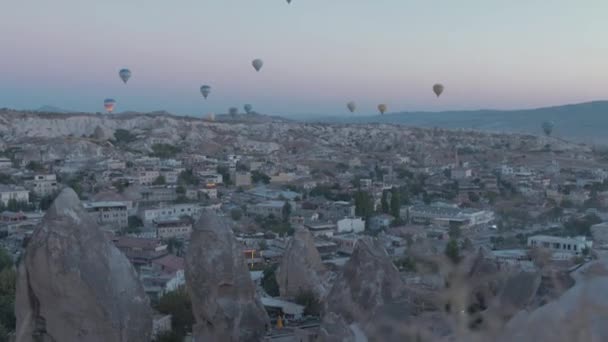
(148, 206)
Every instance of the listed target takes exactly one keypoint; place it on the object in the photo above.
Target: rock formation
(224, 301)
(368, 280)
(580, 314)
(334, 329)
(301, 268)
(74, 285)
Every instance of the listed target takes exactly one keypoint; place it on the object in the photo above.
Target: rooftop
(133, 242)
(103, 204)
(170, 263)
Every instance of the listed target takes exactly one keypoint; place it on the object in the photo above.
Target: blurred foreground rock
(74, 285)
(224, 301)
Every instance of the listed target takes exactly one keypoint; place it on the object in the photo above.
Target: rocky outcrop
(74, 285)
(301, 268)
(224, 301)
(333, 328)
(368, 280)
(580, 314)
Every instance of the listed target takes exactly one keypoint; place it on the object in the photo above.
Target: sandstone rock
(369, 279)
(301, 268)
(580, 314)
(74, 285)
(224, 300)
(334, 329)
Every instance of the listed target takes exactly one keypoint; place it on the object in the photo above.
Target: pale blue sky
(318, 54)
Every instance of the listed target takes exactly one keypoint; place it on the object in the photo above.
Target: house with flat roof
(110, 215)
(445, 215)
(571, 245)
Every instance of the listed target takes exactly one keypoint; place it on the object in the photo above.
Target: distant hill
(252, 117)
(585, 122)
(51, 109)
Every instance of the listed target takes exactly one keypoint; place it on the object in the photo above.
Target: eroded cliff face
(301, 268)
(225, 303)
(74, 285)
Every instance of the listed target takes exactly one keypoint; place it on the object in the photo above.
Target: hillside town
(334, 225)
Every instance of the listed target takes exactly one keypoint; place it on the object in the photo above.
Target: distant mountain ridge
(585, 122)
(52, 109)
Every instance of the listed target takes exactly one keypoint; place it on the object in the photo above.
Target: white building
(268, 208)
(116, 164)
(147, 177)
(242, 178)
(211, 177)
(44, 185)
(321, 229)
(461, 173)
(365, 183)
(443, 215)
(5, 163)
(17, 193)
(571, 245)
(173, 228)
(209, 191)
(172, 211)
(351, 225)
(171, 176)
(112, 215)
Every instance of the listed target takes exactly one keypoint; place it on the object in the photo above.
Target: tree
(34, 166)
(269, 281)
(160, 180)
(286, 211)
(120, 185)
(177, 303)
(312, 305)
(364, 206)
(6, 179)
(168, 336)
(175, 246)
(225, 172)
(452, 251)
(395, 204)
(263, 245)
(473, 197)
(123, 136)
(384, 202)
(187, 177)
(180, 190)
(46, 201)
(135, 224)
(236, 214)
(260, 177)
(467, 245)
(454, 231)
(6, 261)
(8, 281)
(407, 264)
(164, 151)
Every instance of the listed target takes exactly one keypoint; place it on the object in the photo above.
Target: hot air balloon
(288, 1)
(547, 127)
(257, 64)
(248, 108)
(205, 90)
(351, 106)
(438, 89)
(382, 108)
(233, 111)
(124, 74)
(109, 105)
